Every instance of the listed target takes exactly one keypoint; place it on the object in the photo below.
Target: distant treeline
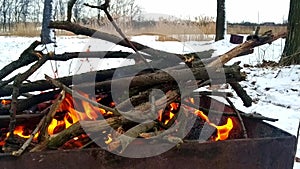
(255, 24)
(151, 23)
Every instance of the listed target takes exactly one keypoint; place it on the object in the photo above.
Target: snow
(276, 90)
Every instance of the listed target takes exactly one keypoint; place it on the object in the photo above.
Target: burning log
(76, 129)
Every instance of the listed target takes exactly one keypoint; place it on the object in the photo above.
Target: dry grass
(238, 29)
(166, 31)
(27, 30)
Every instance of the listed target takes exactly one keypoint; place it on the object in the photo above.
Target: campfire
(143, 110)
(66, 115)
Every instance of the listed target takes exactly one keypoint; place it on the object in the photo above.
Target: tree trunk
(291, 52)
(220, 23)
(47, 16)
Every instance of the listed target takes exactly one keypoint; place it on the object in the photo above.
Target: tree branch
(28, 56)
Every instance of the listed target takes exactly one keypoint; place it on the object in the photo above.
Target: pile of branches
(197, 64)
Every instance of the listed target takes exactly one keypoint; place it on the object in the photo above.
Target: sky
(257, 11)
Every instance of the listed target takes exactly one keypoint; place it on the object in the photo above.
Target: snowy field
(275, 90)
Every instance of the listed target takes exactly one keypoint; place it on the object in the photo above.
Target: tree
(291, 52)
(47, 16)
(220, 23)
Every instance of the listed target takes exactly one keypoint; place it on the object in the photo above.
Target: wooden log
(125, 139)
(15, 93)
(76, 129)
(100, 54)
(232, 74)
(244, 47)
(42, 85)
(81, 30)
(23, 119)
(28, 56)
(49, 117)
(247, 100)
(34, 101)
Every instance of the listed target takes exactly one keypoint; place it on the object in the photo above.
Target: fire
(171, 115)
(109, 139)
(167, 115)
(20, 131)
(67, 115)
(86, 112)
(222, 131)
(5, 102)
(192, 100)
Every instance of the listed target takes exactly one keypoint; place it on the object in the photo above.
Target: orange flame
(222, 131)
(192, 100)
(69, 118)
(19, 130)
(5, 102)
(166, 116)
(72, 116)
(109, 139)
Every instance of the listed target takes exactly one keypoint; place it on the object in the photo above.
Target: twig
(143, 113)
(27, 57)
(28, 141)
(90, 142)
(134, 114)
(75, 94)
(130, 135)
(239, 116)
(44, 133)
(16, 85)
(98, 54)
(104, 7)
(160, 133)
(277, 74)
(6, 82)
(76, 129)
(247, 100)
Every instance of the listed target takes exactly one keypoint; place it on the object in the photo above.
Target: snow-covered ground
(276, 90)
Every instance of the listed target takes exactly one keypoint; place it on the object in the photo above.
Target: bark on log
(33, 102)
(23, 119)
(101, 75)
(232, 74)
(247, 100)
(76, 129)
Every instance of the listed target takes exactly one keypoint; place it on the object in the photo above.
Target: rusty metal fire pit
(266, 147)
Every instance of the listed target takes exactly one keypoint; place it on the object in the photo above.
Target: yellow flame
(109, 139)
(222, 131)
